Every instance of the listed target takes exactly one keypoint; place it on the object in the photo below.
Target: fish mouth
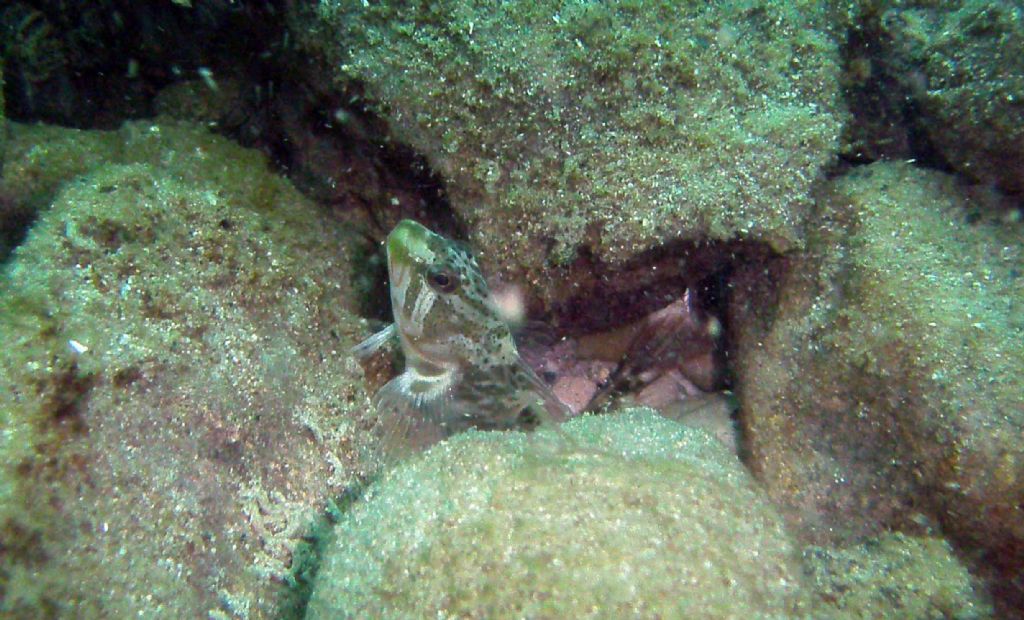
(408, 250)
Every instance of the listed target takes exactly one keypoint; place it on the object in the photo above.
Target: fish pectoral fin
(413, 412)
(375, 342)
(553, 407)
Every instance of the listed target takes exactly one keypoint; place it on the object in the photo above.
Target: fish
(462, 367)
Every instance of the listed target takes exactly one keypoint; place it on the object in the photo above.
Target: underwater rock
(175, 397)
(893, 576)
(959, 64)
(602, 128)
(883, 389)
(648, 518)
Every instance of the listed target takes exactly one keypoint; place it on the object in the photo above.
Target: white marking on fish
(420, 309)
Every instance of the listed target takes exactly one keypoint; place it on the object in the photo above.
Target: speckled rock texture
(883, 388)
(643, 518)
(174, 393)
(599, 129)
(893, 576)
(959, 64)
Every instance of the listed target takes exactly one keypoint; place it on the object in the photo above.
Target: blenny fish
(462, 367)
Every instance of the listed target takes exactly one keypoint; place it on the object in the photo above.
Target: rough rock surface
(174, 394)
(960, 65)
(605, 129)
(882, 389)
(646, 518)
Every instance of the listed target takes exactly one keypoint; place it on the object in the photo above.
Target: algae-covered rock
(175, 399)
(960, 65)
(647, 518)
(608, 127)
(883, 389)
(893, 576)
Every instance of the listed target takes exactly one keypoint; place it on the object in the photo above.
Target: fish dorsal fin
(375, 342)
(414, 412)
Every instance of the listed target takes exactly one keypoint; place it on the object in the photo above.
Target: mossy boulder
(604, 129)
(174, 395)
(642, 518)
(882, 387)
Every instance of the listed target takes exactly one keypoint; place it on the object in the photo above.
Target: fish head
(443, 309)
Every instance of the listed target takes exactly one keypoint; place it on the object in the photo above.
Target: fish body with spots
(462, 368)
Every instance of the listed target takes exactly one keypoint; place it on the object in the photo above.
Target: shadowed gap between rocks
(884, 116)
(308, 555)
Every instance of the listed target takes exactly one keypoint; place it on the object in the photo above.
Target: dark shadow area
(337, 152)
(95, 64)
(15, 222)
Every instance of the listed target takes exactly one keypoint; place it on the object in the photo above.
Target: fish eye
(443, 280)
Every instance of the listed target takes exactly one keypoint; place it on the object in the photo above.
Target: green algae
(883, 395)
